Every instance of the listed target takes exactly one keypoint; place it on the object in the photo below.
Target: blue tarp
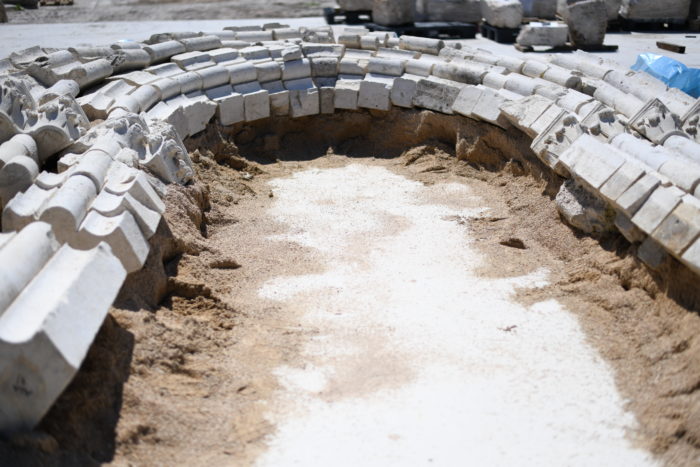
(670, 71)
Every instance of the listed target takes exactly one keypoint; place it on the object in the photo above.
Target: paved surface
(15, 37)
(417, 360)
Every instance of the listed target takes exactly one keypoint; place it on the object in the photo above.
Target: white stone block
(469, 73)
(256, 105)
(242, 73)
(146, 96)
(553, 34)
(189, 82)
(346, 94)
(386, 66)
(165, 70)
(164, 50)
(587, 21)
(292, 53)
(691, 257)
(44, 337)
(651, 156)
(304, 98)
(214, 76)
(630, 201)
(494, 80)
(254, 52)
(421, 44)
(680, 228)
(403, 90)
(436, 94)
(502, 13)
(628, 173)
(326, 100)
(591, 161)
(524, 112)
(225, 54)
(657, 207)
(296, 69)
(654, 10)
(375, 92)
(201, 43)
(198, 111)
(268, 71)
(324, 66)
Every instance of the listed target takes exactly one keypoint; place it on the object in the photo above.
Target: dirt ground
(186, 379)
(156, 10)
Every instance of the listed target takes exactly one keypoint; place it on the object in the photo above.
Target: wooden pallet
(500, 35)
(567, 48)
(339, 16)
(437, 29)
(652, 25)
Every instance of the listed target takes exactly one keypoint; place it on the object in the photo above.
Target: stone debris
(553, 34)
(115, 118)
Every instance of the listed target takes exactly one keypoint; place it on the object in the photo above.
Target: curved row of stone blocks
(112, 119)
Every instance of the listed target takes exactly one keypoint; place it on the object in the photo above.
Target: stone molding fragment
(582, 209)
(656, 122)
(63, 88)
(67, 208)
(122, 180)
(690, 122)
(25, 208)
(591, 161)
(651, 156)
(16, 176)
(53, 125)
(47, 331)
(18, 145)
(523, 113)
(120, 232)
(555, 139)
(24, 255)
(604, 123)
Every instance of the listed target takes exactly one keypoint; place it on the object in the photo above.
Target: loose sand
(519, 337)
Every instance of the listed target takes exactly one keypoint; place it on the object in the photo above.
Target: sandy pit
(389, 291)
